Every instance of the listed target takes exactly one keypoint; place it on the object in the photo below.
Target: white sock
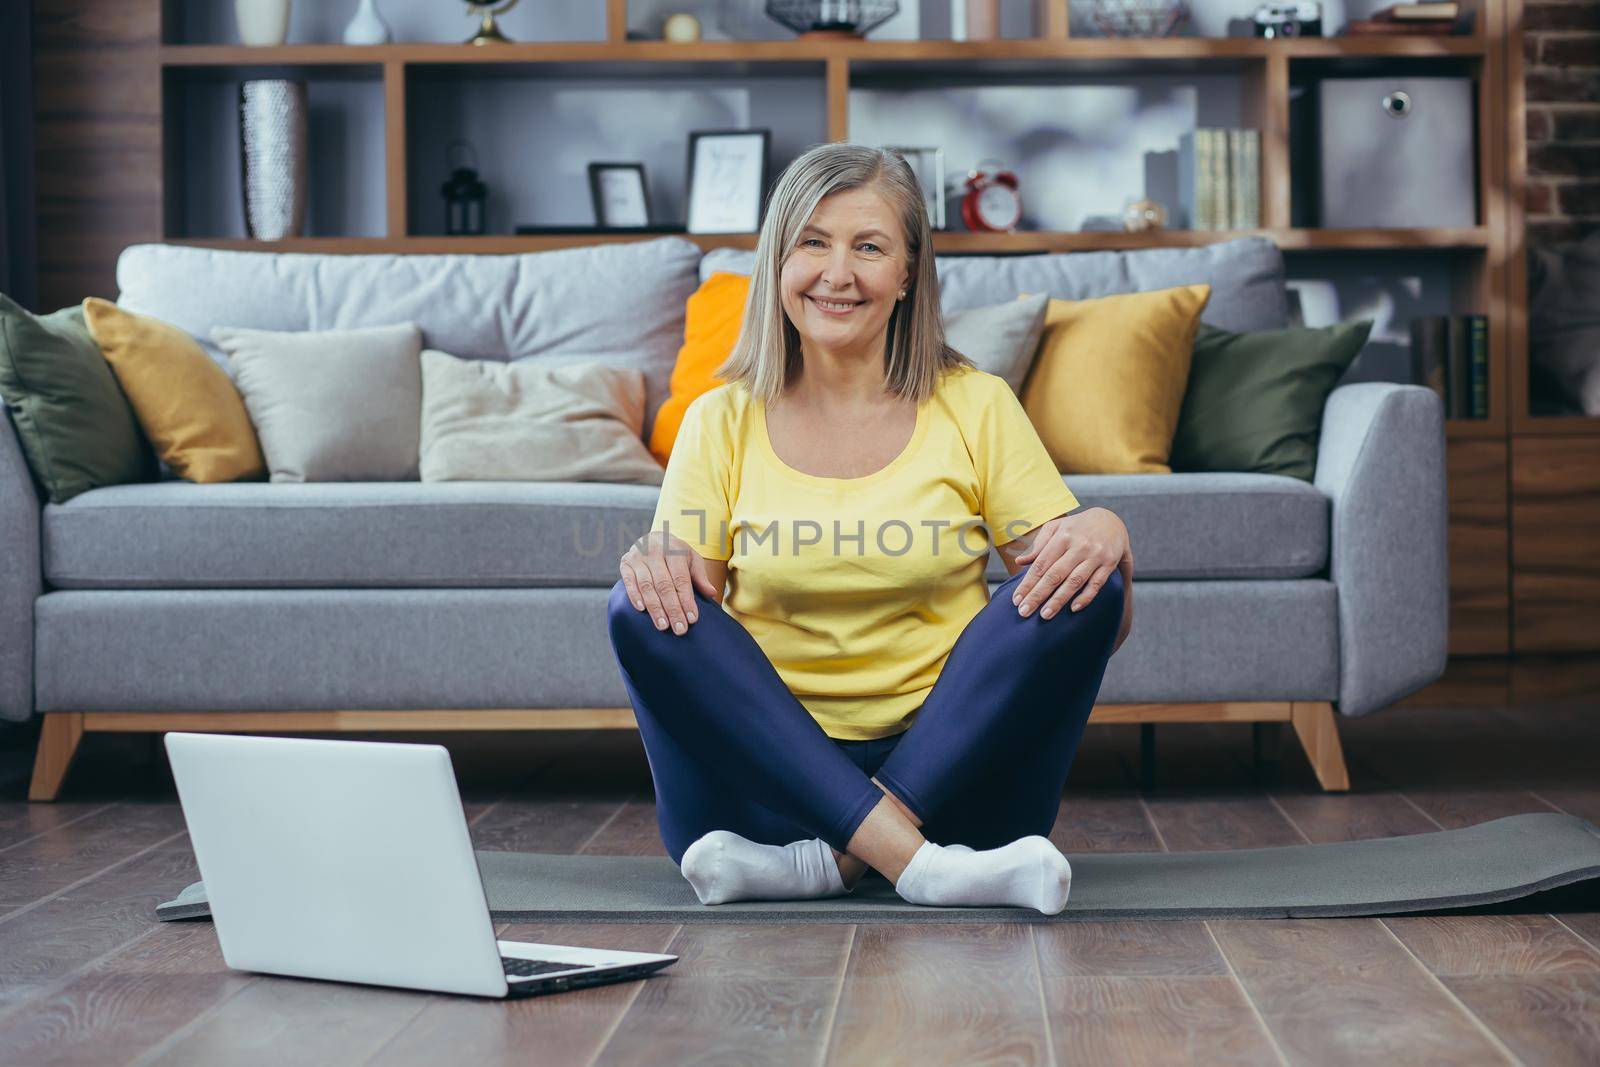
(1030, 872)
(723, 866)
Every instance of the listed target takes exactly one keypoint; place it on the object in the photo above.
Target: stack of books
(1428, 16)
(1219, 175)
(1450, 355)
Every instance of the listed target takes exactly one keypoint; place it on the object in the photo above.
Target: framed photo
(727, 180)
(620, 195)
(928, 165)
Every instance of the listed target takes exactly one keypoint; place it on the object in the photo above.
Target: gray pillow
(332, 405)
(1001, 339)
(533, 420)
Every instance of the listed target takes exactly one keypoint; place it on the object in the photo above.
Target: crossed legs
(731, 748)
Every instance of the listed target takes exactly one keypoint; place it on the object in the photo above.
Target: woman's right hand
(660, 573)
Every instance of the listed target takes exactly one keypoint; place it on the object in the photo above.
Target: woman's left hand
(1073, 552)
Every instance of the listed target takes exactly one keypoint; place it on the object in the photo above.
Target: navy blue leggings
(983, 763)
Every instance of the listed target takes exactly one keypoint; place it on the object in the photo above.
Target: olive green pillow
(1254, 400)
(75, 425)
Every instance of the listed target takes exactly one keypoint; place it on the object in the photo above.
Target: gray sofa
(481, 605)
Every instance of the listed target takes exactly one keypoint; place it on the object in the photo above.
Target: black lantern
(465, 195)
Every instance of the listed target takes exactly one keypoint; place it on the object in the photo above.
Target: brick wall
(1561, 46)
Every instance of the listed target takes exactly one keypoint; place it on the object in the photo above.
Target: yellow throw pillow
(714, 316)
(1105, 389)
(185, 403)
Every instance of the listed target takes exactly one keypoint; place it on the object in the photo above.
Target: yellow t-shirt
(857, 588)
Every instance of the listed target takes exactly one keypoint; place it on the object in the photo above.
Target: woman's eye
(864, 244)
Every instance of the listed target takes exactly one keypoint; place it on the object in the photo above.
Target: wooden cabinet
(1555, 542)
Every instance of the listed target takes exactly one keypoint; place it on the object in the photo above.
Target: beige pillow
(331, 405)
(533, 420)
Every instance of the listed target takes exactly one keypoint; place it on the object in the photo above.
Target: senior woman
(859, 695)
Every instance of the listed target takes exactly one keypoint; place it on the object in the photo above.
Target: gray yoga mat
(1488, 863)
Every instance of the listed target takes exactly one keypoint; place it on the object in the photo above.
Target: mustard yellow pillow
(185, 403)
(1105, 390)
(713, 317)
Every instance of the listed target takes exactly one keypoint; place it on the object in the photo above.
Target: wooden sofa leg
(1318, 730)
(59, 735)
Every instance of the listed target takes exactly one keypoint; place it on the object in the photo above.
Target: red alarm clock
(992, 202)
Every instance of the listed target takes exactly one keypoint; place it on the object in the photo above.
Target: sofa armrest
(1381, 461)
(21, 576)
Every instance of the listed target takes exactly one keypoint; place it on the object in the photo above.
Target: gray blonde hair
(767, 356)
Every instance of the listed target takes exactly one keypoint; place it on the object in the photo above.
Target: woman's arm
(717, 571)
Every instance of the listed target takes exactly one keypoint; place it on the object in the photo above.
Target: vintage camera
(1294, 18)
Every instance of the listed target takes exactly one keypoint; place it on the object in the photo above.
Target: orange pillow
(713, 316)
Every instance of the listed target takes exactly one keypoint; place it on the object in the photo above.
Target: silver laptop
(350, 861)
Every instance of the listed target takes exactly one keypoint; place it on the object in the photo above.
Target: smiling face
(841, 282)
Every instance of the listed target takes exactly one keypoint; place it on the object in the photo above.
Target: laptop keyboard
(521, 968)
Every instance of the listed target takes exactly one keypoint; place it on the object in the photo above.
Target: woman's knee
(1102, 611)
(624, 621)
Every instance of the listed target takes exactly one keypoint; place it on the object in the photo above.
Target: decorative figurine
(488, 30)
(465, 197)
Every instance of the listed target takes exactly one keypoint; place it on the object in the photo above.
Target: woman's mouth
(831, 308)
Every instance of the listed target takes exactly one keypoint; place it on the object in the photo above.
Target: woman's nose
(837, 272)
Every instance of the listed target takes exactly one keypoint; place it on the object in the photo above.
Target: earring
(902, 294)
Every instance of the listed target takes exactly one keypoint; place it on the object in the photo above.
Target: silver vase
(272, 148)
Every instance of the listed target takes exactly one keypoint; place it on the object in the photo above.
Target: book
(1428, 361)
(1198, 170)
(1248, 181)
(1374, 28)
(1213, 179)
(1438, 10)
(1235, 178)
(1457, 374)
(1478, 360)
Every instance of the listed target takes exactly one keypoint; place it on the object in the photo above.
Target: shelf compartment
(510, 112)
(346, 182)
(194, 22)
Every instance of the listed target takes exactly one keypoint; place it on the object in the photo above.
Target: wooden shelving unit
(1263, 65)
(1485, 261)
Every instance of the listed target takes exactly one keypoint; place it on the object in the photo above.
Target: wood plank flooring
(88, 977)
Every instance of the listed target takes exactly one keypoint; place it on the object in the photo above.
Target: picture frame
(728, 174)
(620, 194)
(927, 163)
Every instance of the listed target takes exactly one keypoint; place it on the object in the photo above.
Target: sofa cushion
(1246, 277)
(620, 303)
(313, 649)
(74, 424)
(174, 535)
(331, 405)
(1105, 390)
(484, 420)
(1254, 401)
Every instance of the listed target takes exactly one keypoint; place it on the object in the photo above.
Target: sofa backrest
(620, 303)
(1246, 276)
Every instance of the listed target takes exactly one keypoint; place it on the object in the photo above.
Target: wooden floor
(87, 975)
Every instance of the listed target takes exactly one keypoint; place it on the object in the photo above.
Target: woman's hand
(1073, 552)
(660, 573)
